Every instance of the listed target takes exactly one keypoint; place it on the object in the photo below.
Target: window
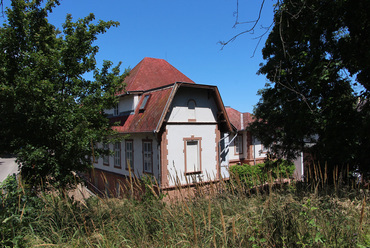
(129, 154)
(117, 154)
(148, 156)
(191, 110)
(239, 144)
(145, 101)
(192, 155)
(106, 156)
(115, 111)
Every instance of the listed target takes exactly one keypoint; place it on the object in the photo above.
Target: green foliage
(281, 218)
(150, 195)
(18, 208)
(254, 175)
(53, 114)
(318, 64)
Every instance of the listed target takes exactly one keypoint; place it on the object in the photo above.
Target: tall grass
(223, 214)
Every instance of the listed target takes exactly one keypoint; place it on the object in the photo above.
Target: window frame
(117, 154)
(238, 144)
(150, 153)
(199, 142)
(144, 103)
(106, 157)
(132, 154)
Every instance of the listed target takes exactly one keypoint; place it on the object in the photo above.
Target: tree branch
(223, 44)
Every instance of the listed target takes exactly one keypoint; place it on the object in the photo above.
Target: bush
(253, 175)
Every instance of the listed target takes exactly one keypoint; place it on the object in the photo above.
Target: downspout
(220, 152)
(254, 150)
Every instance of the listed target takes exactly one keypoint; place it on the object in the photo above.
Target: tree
(51, 115)
(318, 64)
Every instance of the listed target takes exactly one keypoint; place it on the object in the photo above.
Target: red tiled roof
(157, 78)
(152, 73)
(248, 118)
(148, 119)
(235, 118)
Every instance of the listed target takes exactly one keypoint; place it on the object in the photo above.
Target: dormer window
(144, 103)
(115, 111)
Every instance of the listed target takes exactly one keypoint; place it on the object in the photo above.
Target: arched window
(191, 110)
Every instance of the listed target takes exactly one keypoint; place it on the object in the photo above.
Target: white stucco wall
(138, 156)
(176, 156)
(205, 110)
(225, 152)
(184, 122)
(257, 149)
(126, 103)
(232, 154)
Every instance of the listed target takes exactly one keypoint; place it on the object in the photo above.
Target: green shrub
(18, 207)
(253, 175)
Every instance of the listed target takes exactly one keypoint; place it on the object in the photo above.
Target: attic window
(144, 103)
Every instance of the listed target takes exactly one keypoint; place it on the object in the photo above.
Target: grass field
(226, 214)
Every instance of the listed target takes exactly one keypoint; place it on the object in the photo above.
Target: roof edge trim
(169, 100)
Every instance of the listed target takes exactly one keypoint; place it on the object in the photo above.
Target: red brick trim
(164, 159)
(249, 145)
(102, 179)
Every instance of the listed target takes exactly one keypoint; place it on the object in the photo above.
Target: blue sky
(186, 34)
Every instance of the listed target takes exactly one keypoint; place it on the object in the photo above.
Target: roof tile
(235, 118)
(145, 120)
(152, 73)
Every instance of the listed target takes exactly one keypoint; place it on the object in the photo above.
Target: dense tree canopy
(51, 115)
(318, 66)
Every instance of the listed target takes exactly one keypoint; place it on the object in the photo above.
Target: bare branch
(2, 8)
(237, 22)
(260, 38)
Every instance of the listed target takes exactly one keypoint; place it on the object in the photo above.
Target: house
(172, 130)
(246, 149)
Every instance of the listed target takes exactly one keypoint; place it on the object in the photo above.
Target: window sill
(193, 173)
